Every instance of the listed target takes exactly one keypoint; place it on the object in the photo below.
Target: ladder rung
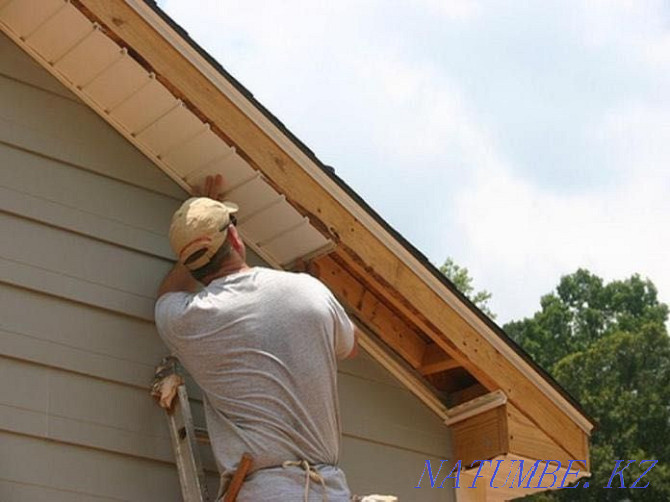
(201, 435)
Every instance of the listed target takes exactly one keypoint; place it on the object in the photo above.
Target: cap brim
(231, 206)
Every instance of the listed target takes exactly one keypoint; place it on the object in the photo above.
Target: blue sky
(524, 139)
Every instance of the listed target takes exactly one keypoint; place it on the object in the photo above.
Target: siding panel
(80, 410)
(364, 366)
(22, 492)
(34, 463)
(388, 470)
(57, 284)
(73, 325)
(389, 415)
(79, 257)
(49, 191)
(46, 259)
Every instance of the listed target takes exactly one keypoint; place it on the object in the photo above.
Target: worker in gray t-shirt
(262, 345)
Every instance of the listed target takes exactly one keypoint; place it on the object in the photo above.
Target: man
(262, 345)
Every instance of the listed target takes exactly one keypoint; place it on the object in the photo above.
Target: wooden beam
(499, 480)
(451, 381)
(500, 432)
(483, 436)
(436, 360)
(371, 311)
(392, 329)
(361, 240)
(466, 394)
(527, 440)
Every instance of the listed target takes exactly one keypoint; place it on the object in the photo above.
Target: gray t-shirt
(262, 345)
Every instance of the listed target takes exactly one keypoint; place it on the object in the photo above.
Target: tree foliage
(460, 277)
(608, 346)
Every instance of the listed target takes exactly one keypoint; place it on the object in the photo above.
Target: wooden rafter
(435, 360)
(387, 325)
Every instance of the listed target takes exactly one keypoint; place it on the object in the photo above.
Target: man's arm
(354, 349)
(179, 279)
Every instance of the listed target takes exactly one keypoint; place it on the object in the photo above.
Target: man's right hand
(167, 379)
(166, 390)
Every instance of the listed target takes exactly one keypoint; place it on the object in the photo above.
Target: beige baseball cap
(200, 224)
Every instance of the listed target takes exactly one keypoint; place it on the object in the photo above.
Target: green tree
(608, 345)
(460, 277)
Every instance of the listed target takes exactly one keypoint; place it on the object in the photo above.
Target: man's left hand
(214, 188)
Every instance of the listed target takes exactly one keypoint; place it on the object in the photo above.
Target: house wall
(83, 220)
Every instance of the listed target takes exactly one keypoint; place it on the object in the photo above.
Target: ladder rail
(185, 445)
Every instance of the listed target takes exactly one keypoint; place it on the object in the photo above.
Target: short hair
(213, 265)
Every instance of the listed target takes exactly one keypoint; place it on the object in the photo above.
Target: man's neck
(229, 270)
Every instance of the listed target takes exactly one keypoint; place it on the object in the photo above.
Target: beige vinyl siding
(36, 470)
(388, 434)
(83, 219)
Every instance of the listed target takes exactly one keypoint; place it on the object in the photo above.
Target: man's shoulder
(170, 301)
(286, 275)
(297, 280)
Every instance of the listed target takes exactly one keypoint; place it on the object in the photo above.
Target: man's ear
(235, 239)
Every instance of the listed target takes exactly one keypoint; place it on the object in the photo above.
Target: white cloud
(635, 28)
(638, 135)
(522, 239)
(452, 9)
(419, 114)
